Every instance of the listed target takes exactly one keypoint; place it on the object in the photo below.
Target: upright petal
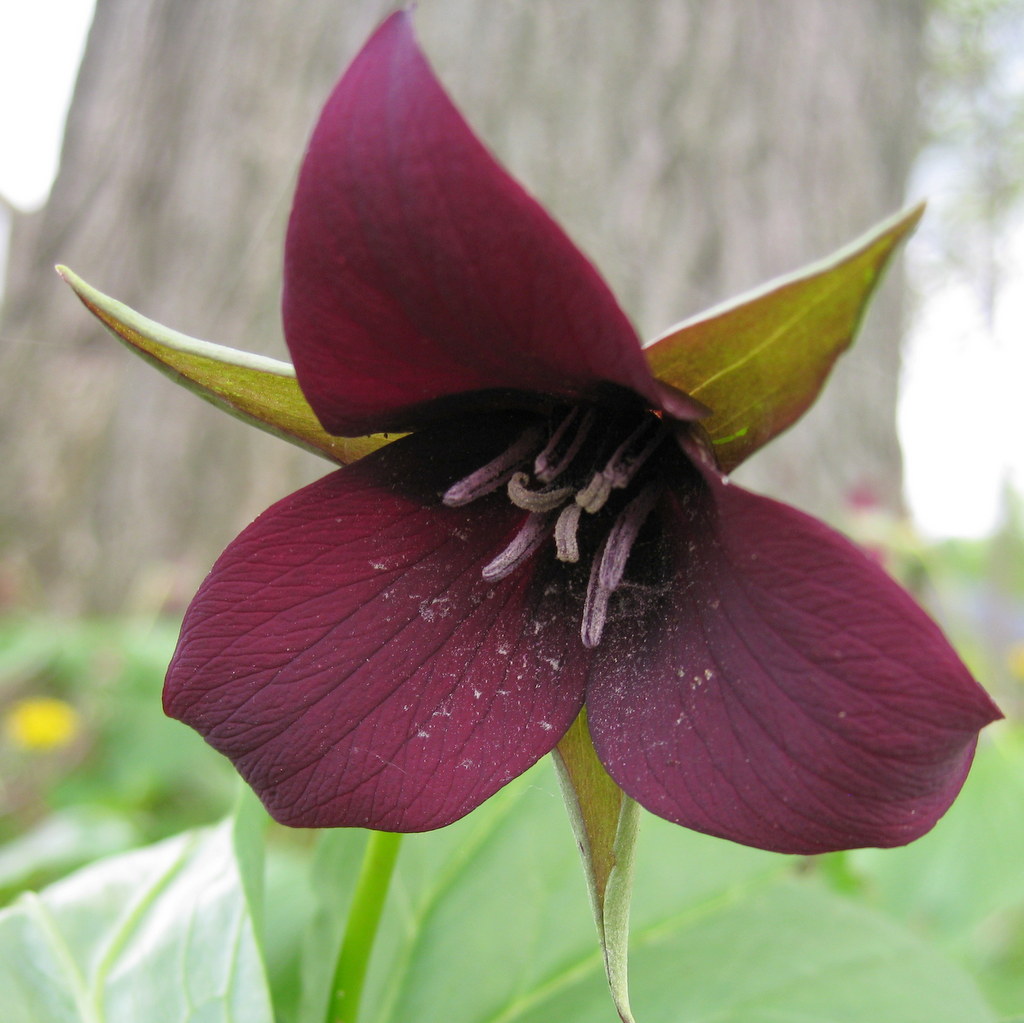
(347, 655)
(789, 694)
(416, 268)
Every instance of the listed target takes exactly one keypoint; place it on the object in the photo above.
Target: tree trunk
(692, 147)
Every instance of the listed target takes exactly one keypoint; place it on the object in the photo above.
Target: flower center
(586, 474)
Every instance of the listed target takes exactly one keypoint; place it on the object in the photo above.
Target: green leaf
(760, 360)
(488, 924)
(790, 953)
(61, 842)
(604, 820)
(249, 823)
(162, 934)
(260, 391)
(963, 882)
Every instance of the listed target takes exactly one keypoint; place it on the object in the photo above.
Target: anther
(554, 459)
(495, 473)
(623, 534)
(595, 607)
(533, 532)
(567, 547)
(593, 496)
(542, 500)
(610, 563)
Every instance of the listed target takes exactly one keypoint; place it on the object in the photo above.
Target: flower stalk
(361, 928)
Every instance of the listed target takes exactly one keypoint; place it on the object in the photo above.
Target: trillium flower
(389, 646)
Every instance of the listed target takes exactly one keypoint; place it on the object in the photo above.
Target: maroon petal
(788, 694)
(346, 654)
(417, 269)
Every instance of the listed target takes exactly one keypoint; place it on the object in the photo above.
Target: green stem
(361, 928)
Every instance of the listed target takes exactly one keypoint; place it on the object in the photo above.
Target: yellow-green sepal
(258, 390)
(759, 361)
(605, 822)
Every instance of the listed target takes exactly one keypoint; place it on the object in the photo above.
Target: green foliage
(973, 110)
(963, 885)
(162, 934)
(127, 775)
(707, 934)
(486, 923)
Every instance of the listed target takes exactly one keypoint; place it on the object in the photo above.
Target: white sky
(962, 404)
(40, 46)
(962, 411)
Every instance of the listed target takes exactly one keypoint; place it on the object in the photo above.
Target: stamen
(595, 607)
(610, 563)
(623, 534)
(567, 547)
(558, 509)
(533, 532)
(551, 463)
(495, 473)
(631, 454)
(625, 462)
(593, 496)
(535, 500)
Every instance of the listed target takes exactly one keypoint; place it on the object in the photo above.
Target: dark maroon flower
(392, 644)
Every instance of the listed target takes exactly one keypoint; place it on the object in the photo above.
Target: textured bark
(692, 147)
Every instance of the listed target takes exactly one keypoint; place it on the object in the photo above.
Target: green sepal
(760, 360)
(260, 391)
(605, 821)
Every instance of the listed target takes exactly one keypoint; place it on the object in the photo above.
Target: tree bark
(693, 148)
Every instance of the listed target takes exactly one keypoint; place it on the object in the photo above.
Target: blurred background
(693, 148)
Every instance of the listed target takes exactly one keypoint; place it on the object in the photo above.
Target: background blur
(693, 148)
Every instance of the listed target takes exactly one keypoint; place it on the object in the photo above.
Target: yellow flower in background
(41, 723)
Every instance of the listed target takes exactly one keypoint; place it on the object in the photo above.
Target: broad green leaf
(161, 934)
(61, 842)
(260, 391)
(790, 953)
(604, 820)
(760, 360)
(249, 823)
(963, 881)
(274, 869)
(488, 924)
